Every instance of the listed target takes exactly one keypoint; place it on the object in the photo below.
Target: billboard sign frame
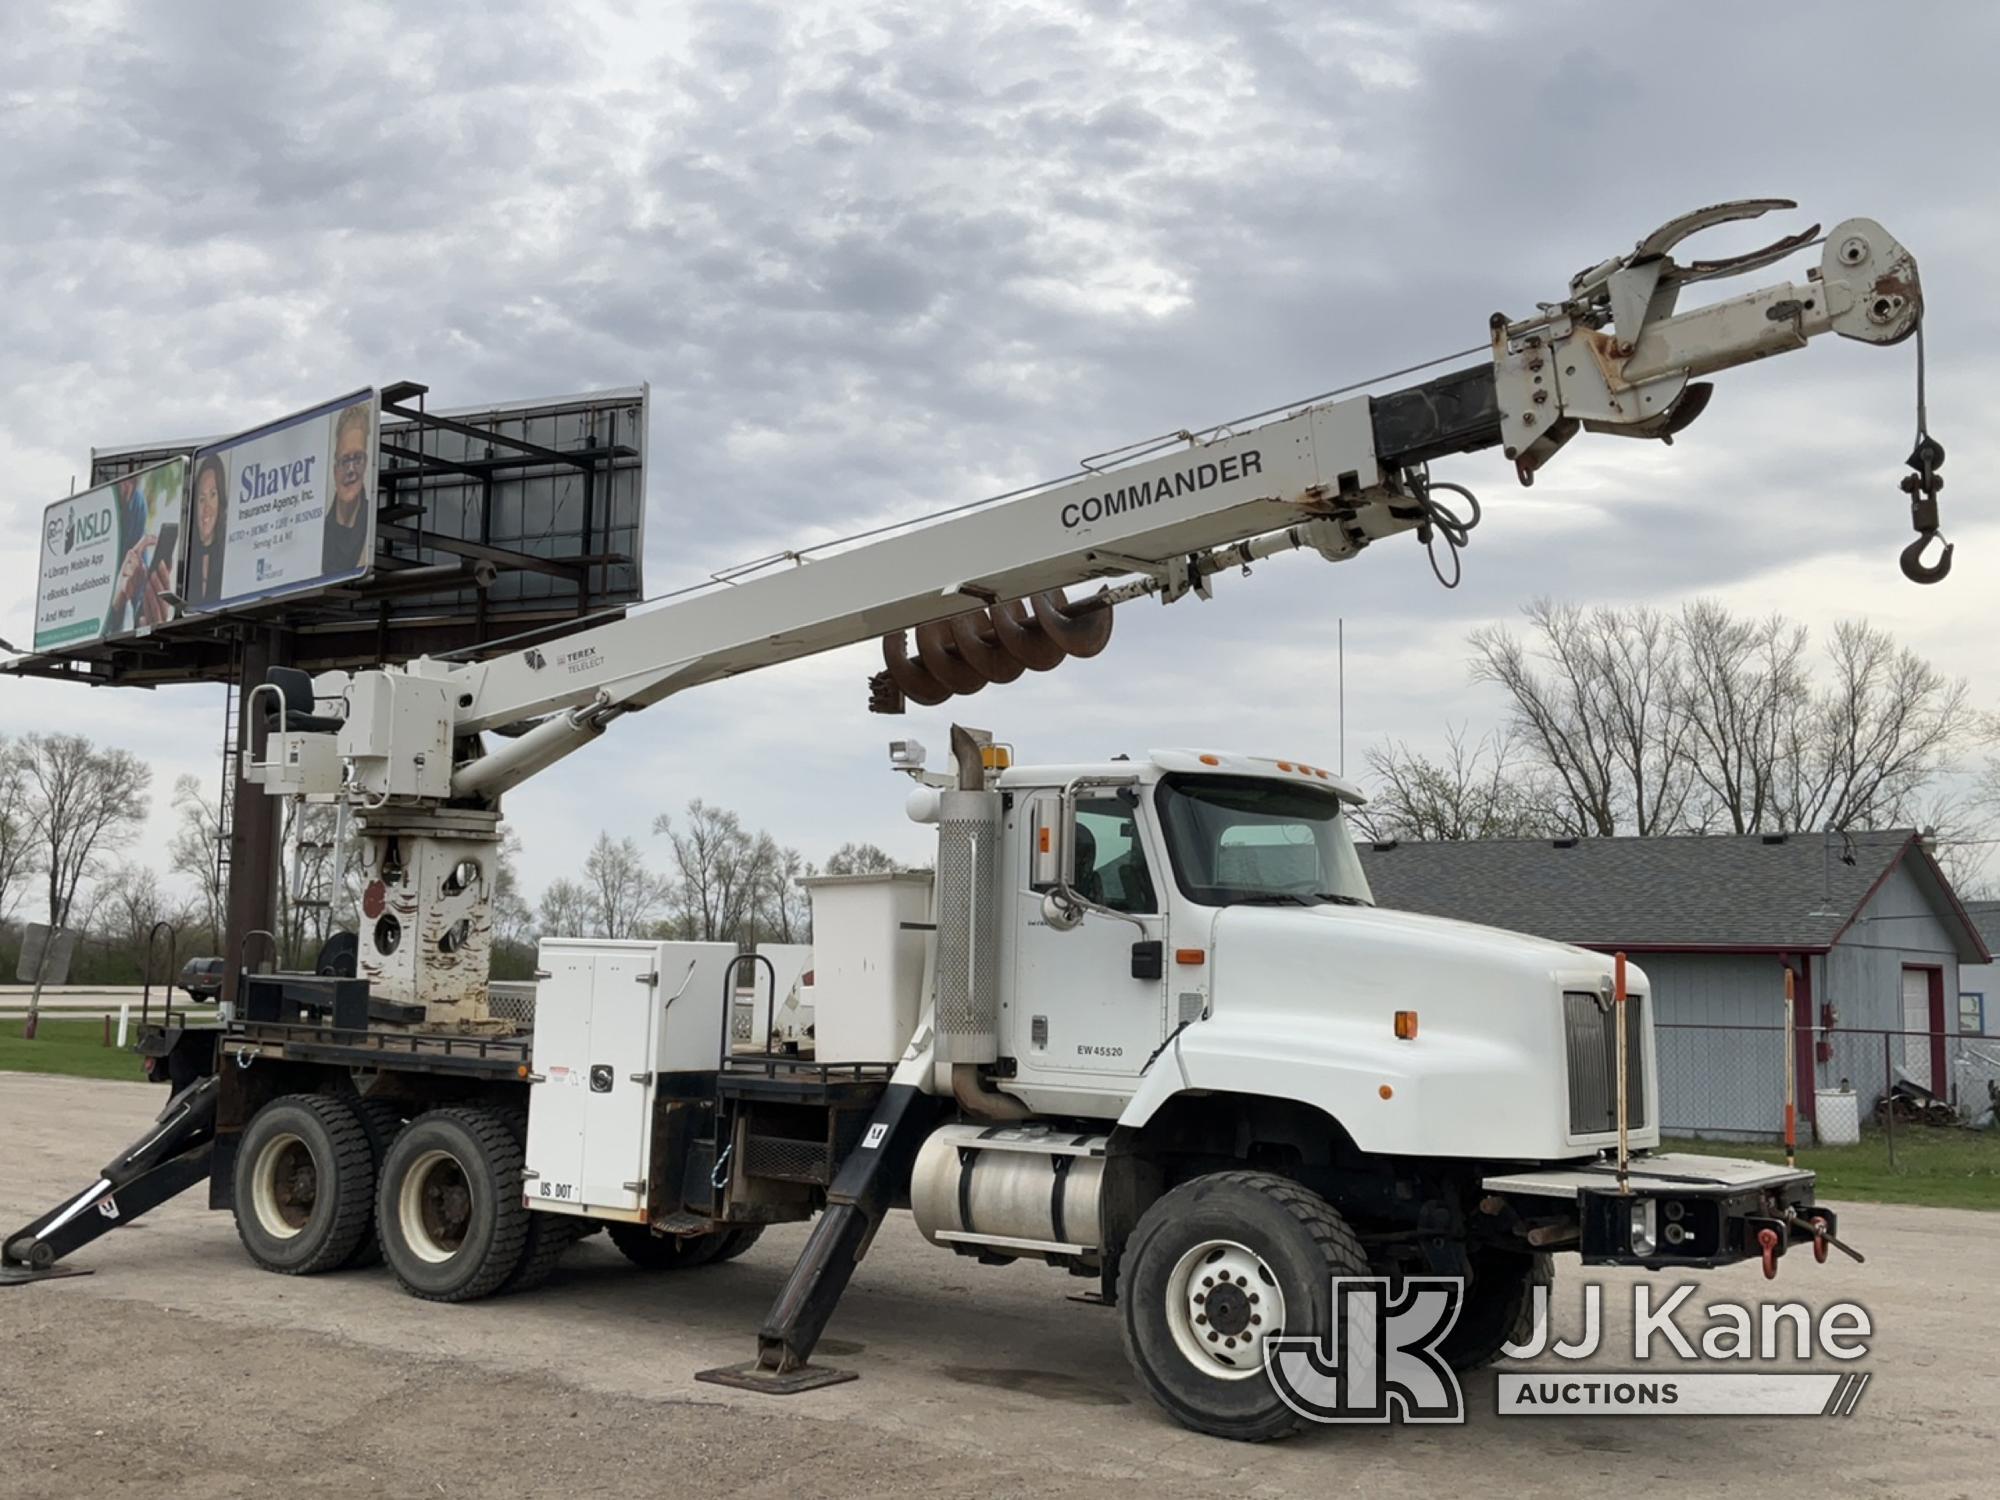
(277, 491)
(129, 529)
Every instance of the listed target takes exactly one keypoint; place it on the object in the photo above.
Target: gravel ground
(178, 1369)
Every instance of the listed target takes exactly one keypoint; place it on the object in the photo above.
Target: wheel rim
(434, 1208)
(1223, 1303)
(285, 1186)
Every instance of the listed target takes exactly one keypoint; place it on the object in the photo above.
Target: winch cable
(1440, 520)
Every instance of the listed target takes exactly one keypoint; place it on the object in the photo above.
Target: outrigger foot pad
(22, 1275)
(754, 1377)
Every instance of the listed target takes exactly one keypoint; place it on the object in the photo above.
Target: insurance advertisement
(284, 508)
(108, 558)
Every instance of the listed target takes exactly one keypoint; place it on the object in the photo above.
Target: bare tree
(195, 850)
(1742, 683)
(859, 859)
(1594, 700)
(1475, 791)
(721, 869)
(513, 919)
(20, 850)
(82, 803)
(565, 909)
(1641, 723)
(784, 910)
(1865, 751)
(1557, 716)
(623, 893)
(125, 906)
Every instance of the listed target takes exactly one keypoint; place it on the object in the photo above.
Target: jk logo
(1380, 1361)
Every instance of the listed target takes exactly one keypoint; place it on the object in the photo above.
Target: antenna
(1825, 907)
(1341, 656)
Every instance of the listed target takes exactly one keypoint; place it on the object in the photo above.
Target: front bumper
(1675, 1210)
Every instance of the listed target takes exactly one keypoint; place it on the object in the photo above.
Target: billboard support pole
(253, 818)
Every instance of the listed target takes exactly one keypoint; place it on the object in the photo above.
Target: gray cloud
(879, 259)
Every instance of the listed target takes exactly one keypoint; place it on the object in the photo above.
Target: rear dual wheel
(304, 1184)
(667, 1252)
(448, 1208)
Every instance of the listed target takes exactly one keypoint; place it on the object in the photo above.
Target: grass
(75, 1048)
(1937, 1168)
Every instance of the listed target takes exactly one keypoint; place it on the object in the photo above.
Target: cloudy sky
(878, 259)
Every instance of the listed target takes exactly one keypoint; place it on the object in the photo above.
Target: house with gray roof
(1979, 984)
(1867, 922)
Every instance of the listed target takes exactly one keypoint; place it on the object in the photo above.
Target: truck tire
(1258, 1252)
(665, 1252)
(381, 1119)
(736, 1241)
(549, 1235)
(448, 1207)
(304, 1183)
(1499, 1306)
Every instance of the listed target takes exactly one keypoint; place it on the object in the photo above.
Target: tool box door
(590, 1116)
(618, 1079)
(560, 1064)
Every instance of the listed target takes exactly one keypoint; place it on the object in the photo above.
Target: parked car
(201, 978)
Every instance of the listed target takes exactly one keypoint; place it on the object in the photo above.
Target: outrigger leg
(167, 1160)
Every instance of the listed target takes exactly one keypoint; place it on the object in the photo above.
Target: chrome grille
(1590, 1028)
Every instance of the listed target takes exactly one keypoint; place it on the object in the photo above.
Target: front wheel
(1213, 1271)
(671, 1252)
(1499, 1306)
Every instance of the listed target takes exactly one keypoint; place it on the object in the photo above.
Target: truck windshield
(1236, 840)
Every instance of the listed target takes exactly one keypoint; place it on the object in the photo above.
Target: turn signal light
(1406, 1025)
(1190, 955)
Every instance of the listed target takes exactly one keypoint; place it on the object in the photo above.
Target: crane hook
(1916, 569)
(1922, 485)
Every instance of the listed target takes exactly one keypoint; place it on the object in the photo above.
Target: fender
(1458, 1096)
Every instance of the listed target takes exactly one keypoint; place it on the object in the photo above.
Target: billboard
(108, 558)
(284, 508)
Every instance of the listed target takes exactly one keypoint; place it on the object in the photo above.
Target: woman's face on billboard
(207, 506)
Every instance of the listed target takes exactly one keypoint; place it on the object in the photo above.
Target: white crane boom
(1613, 356)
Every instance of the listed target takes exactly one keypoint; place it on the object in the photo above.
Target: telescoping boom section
(983, 586)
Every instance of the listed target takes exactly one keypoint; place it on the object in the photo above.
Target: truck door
(1076, 1006)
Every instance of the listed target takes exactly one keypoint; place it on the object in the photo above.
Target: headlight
(1643, 1224)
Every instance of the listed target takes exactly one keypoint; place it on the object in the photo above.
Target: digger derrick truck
(1144, 1023)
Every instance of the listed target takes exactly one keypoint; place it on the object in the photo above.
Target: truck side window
(1110, 860)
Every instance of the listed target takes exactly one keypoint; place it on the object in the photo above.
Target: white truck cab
(1225, 929)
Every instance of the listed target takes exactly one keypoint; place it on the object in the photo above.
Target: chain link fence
(1727, 1082)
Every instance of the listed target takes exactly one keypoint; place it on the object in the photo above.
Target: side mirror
(1058, 913)
(1050, 839)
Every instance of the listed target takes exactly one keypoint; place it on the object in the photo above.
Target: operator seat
(297, 688)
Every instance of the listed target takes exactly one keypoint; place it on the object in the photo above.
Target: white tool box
(611, 1016)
